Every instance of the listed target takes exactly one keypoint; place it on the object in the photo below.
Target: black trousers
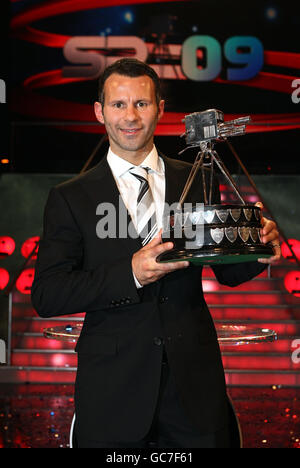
(170, 427)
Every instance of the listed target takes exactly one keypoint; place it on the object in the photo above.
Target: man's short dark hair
(129, 67)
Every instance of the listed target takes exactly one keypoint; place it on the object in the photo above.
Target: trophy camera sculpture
(212, 233)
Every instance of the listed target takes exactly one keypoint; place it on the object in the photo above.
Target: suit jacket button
(157, 341)
(163, 299)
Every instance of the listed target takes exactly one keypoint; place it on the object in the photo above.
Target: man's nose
(131, 113)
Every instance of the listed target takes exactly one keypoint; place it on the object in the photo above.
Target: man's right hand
(145, 267)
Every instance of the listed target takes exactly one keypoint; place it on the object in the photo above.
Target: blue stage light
(129, 17)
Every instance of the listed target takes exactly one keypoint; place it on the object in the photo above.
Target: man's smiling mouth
(130, 131)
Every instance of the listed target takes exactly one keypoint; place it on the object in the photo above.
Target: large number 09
(239, 50)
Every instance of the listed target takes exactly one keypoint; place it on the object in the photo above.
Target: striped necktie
(146, 216)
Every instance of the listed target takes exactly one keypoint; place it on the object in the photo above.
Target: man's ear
(161, 107)
(98, 112)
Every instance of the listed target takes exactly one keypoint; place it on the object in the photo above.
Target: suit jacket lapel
(101, 187)
(175, 180)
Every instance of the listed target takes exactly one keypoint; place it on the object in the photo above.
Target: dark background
(35, 145)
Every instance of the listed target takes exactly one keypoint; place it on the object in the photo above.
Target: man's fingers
(161, 248)
(165, 267)
(275, 257)
(261, 206)
(155, 241)
(272, 259)
(158, 247)
(171, 266)
(269, 234)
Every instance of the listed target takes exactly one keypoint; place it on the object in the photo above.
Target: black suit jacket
(121, 344)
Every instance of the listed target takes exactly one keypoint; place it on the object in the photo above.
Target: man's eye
(141, 104)
(118, 105)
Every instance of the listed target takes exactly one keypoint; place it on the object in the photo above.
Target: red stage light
(28, 247)
(7, 246)
(286, 251)
(4, 278)
(292, 282)
(25, 280)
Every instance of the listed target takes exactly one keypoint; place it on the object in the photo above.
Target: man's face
(130, 114)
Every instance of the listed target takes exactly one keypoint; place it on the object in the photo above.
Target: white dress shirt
(129, 185)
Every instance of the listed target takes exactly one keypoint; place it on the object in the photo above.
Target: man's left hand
(269, 234)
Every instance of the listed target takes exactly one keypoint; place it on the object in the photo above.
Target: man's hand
(145, 267)
(270, 234)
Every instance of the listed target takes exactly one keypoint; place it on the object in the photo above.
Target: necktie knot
(140, 172)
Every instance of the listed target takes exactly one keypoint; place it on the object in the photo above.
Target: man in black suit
(149, 364)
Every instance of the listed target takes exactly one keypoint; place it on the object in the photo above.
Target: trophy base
(206, 257)
(215, 234)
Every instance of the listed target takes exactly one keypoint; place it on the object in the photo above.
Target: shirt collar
(120, 166)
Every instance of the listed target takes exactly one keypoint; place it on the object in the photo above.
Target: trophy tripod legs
(213, 157)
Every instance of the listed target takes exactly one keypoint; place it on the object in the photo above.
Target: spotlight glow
(128, 16)
(271, 13)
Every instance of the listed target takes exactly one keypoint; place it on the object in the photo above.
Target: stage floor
(39, 416)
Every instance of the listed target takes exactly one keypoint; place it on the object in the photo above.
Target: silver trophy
(210, 233)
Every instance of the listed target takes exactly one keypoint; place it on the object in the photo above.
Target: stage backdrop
(240, 57)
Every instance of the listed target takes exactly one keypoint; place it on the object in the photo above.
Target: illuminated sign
(74, 51)
(78, 50)
(252, 60)
(296, 93)
(81, 38)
